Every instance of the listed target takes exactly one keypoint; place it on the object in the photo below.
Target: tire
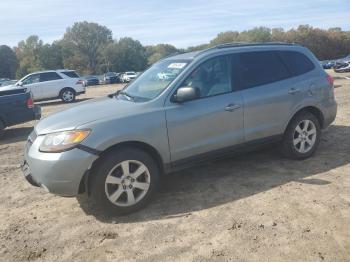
(115, 198)
(67, 95)
(302, 136)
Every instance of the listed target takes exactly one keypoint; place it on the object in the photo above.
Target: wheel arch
(311, 109)
(84, 184)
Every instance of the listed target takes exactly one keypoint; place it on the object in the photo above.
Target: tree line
(90, 48)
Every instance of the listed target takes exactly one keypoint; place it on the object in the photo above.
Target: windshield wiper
(128, 96)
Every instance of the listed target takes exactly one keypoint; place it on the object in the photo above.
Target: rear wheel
(302, 136)
(67, 95)
(124, 181)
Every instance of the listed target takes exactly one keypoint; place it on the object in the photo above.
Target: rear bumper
(329, 112)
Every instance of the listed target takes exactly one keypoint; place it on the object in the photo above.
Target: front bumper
(58, 173)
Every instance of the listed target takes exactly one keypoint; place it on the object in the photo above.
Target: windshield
(153, 81)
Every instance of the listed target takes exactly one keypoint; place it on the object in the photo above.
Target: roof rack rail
(239, 44)
(242, 44)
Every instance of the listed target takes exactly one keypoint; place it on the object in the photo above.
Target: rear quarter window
(71, 74)
(261, 67)
(297, 62)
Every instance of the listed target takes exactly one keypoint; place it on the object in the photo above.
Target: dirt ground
(254, 207)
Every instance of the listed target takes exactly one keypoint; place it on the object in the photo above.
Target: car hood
(86, 112)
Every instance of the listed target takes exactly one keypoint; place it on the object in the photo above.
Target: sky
(179, 22)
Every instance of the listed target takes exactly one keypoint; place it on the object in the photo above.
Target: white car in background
(63, 84)
(128, 76)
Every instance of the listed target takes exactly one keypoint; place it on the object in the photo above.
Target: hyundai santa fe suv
(217, 101)
(63, 84)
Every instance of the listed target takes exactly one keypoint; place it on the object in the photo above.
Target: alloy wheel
(127, 183)
(304, 137)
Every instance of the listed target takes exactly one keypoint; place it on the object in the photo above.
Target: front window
(153, 81)
(32, 79)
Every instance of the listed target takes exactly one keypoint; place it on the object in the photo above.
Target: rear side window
(260, 68)
(49, 76)
(71, 74)
(297, 63)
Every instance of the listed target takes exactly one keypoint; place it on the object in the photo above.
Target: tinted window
(71, 74)
(211, 78)
(297, 62)
(49, 76)
(260, 68)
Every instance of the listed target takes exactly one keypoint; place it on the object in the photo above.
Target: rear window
(297, 63)
(260, 68)
(50, 76)
(71, 74)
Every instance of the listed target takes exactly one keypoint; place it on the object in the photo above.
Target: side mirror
(184, 94)
(20, 84)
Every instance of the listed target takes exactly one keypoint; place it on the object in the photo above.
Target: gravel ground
(253, 207)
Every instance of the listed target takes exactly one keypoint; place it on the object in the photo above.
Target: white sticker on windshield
(177, 65)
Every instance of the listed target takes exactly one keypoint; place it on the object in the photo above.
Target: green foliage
(9, 62)
(126, 54)
(28, 55)
(82, 44)
(157, 52)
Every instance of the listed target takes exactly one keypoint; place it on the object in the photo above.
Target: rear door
(269, 93)
(51, 84)
(210, 123)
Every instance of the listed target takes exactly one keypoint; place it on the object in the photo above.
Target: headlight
(62, 141)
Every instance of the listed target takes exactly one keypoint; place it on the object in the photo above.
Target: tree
(28, 55)
(82, 44)
(50, 56)
(225, 37)
(9, 62)
(157, 52)
(126, 54)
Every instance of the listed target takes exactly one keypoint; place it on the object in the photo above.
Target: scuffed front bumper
(58, 173)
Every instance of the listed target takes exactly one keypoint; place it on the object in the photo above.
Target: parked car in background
(16, 107)
(91, 81)
(8, 83)
(222, 100)
(111, 78)
(4, 80)
(128, 76)
(63, 84)
(342, 67)
(328, 64)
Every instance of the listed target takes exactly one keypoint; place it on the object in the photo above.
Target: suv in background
(128, 76)
(224, 99)
(64, 84)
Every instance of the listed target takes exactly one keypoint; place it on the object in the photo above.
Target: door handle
(232, 107)
(293, 91)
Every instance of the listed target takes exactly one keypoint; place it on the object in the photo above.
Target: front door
(32, 83)
(212, 122)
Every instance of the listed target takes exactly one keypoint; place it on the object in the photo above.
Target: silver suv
(217, 101)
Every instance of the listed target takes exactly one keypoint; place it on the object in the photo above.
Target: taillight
(80, 82)
(30, 103)
(330, 80)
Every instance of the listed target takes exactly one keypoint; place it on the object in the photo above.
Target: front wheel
(67, 95)
(302, 136)
(124, 181)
